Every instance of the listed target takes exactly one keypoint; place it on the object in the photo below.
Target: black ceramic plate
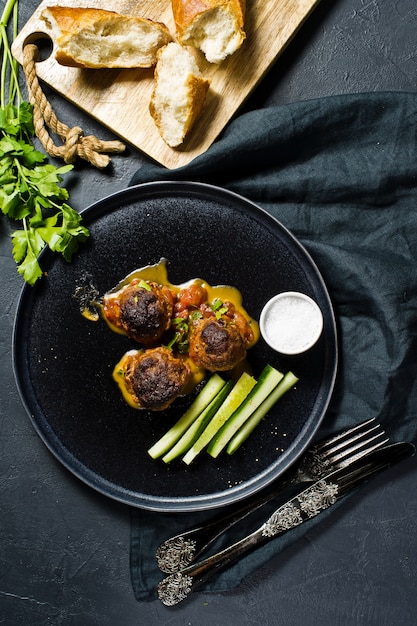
(63, 363)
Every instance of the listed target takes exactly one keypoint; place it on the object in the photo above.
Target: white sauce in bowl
(291, 322)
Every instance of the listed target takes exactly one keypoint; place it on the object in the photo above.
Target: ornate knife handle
(176, 587)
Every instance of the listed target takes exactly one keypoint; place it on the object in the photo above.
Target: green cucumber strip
(243, 433)
(205, 396)
(268, 380)
(239, 392)
(193, 431)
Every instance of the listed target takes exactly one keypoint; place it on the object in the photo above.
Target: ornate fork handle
(310, 502)
(178, 552)
(328, 454)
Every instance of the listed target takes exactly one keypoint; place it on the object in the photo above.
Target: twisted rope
(75, 143)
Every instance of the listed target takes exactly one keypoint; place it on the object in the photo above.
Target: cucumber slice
(206, 395)
(243, 433)
(239, 392)
(268, 380)
(193, 431)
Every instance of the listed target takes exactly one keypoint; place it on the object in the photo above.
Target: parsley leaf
(30, 188)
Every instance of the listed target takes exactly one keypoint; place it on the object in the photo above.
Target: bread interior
(216, 33)
(122, 43)
(177, 72)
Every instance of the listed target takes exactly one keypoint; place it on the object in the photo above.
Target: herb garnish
(180, 338)
(144, 285)
(29, 188)
(218, 308)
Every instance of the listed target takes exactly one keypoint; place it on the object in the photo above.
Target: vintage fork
(307, 504)
(327, 455)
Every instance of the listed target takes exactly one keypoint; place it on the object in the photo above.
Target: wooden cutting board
(119, 99)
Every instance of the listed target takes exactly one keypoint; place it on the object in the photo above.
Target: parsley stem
(9, 64)
(7, 11)
(26, 229)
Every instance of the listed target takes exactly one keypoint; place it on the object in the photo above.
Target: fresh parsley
(30, 190)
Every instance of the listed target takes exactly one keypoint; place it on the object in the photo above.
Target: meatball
(155, 377)
(142, 310)
(216, 345)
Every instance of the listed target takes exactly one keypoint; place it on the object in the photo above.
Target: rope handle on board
(75, 143)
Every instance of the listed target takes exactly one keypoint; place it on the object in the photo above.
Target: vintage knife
(304, 506)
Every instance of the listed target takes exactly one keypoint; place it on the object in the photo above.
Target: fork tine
(342, 449)
(363, 443)
(374, 431)
(349, 458)
(344, 438)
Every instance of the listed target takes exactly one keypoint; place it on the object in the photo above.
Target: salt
(291, 322)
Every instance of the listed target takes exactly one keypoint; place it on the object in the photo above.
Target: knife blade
(304, 506)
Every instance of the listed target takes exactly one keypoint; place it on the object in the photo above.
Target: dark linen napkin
(341, 174)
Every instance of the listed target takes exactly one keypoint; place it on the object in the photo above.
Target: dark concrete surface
(64, 549)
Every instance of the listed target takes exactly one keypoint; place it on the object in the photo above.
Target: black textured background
(64, 549)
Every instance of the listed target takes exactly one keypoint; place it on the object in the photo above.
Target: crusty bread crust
(175, 109)
(217, 27)
(197, 90)
(97, 38)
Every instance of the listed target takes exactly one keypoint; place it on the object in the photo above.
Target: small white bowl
(291, 322)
